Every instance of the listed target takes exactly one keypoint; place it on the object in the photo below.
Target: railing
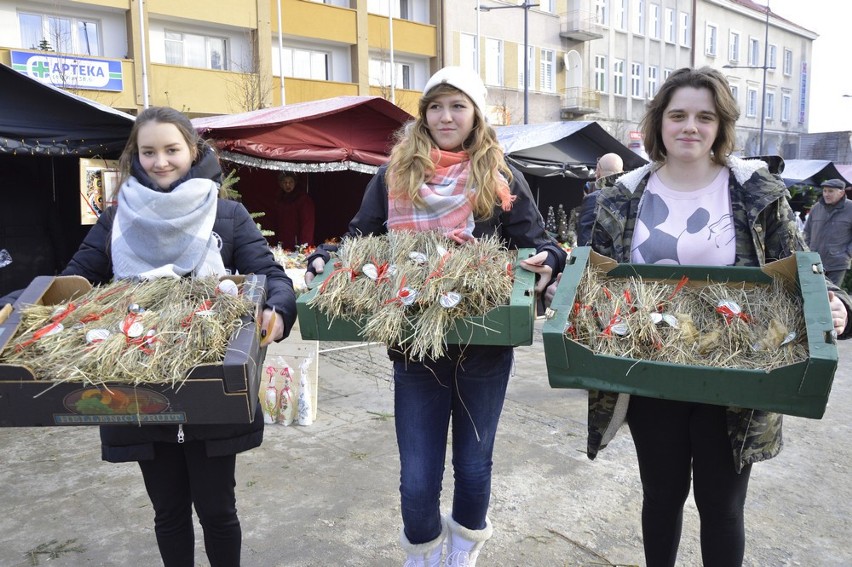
(580, 100)
(579, 25)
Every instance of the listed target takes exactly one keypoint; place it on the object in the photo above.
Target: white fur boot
(463, 544)
(423, 554)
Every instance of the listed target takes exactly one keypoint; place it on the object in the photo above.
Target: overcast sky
(831, 72)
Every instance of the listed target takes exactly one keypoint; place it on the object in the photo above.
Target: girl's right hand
(319, 266)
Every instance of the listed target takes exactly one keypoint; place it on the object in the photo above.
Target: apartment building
(223, 56)
(765, 58)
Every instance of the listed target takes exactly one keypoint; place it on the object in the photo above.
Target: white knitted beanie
(465, 80)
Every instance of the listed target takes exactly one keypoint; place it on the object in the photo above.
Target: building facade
(542, 60)
(209, 57)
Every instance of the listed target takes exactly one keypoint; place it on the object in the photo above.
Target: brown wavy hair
(411, 163)
(726, 109)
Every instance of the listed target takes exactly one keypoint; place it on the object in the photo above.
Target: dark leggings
(179, 476)
(673, 439)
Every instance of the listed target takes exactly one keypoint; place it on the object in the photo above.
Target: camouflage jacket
(765, 231)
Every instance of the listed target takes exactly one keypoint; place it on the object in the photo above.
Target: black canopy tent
(557, 158)
(810, 172)
(44, 131)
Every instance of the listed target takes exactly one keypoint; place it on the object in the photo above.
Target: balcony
(579, 101)
(579, 25)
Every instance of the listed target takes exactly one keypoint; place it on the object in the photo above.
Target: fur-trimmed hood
(742, 169)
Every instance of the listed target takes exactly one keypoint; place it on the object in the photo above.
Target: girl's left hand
(271, 327)
(536, 264)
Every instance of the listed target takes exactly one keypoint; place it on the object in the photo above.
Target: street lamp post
(765, 66)
(526, 7)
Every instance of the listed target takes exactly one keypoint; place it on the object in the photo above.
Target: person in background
(170, 178)
(447, 172)
(695, 204)
(294, 213)
(829, 229)
(609, 165)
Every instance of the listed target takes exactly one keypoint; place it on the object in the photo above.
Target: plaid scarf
(448, 207)
(157, 234)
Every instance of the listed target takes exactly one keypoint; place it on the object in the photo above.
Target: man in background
(829, 229)
(608, 165)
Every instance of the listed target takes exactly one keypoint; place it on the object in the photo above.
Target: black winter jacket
(244, 251)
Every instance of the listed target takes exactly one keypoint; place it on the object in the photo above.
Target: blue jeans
(467, 386)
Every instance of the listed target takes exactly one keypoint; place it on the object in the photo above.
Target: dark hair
(726, 109)
(163, 115)
(282, 175)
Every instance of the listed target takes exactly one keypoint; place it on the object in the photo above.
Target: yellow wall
(311, 19)
(303, 90)
(408, 37)
(240, 13)
(194, 91)
(405, 99)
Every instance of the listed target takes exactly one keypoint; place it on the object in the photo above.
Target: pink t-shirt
(685, 227)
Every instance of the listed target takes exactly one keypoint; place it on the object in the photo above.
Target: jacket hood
(742, 169)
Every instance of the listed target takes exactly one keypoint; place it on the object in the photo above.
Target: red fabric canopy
(346, 128)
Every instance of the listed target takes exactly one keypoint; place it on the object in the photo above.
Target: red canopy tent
(334, 145)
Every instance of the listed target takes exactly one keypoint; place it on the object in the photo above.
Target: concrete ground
(327, 494)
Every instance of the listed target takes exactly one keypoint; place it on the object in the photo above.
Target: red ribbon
(352, 275)
(729, 314)
(400, 294)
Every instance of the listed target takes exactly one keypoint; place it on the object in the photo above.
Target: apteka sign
(68, 71)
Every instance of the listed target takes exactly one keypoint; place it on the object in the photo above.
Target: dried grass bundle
(409, 288)
(725, 325)
(150, 332)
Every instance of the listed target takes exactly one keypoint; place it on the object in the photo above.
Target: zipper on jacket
(180, 433)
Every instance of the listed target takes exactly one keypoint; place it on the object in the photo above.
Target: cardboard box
(799, 389)
(212, 393)
(510, 324)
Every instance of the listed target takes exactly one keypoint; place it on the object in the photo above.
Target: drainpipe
(142, 34)
(281, 53)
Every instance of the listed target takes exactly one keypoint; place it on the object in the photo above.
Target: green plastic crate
(510, 325)
(799, 389)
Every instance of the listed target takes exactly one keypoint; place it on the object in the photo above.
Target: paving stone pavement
(327, 494)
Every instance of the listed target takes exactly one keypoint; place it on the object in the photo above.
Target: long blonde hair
(411, 162)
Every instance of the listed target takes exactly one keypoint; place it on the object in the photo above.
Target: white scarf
(166, 234)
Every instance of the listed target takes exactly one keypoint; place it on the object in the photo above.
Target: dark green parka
(765, 231)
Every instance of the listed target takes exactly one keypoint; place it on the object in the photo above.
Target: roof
(41, 119)
(568, 149)
(346, 129)
(811, 172)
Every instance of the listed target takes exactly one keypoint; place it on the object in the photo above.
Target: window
(618, 77)
(786, 107)
(710, 40)
(769, 111)
(619, 15)
(494, 62)
(652, 80)
(530, 66)
(735, 92)
(772, 56)
(636, 80)
(666, 74)
(656, 22)
(734, 47)
(468, 52)
(380, 74)
(684, 29)
(751, 103)
(60, 34)
(639, 17)
(548, 63)
(401, 8)
(600, 73)
(602, 12)
(306, 64)
(753, 52)
(193, 50)
(671, 30)
(788, 62)
(547, 6)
